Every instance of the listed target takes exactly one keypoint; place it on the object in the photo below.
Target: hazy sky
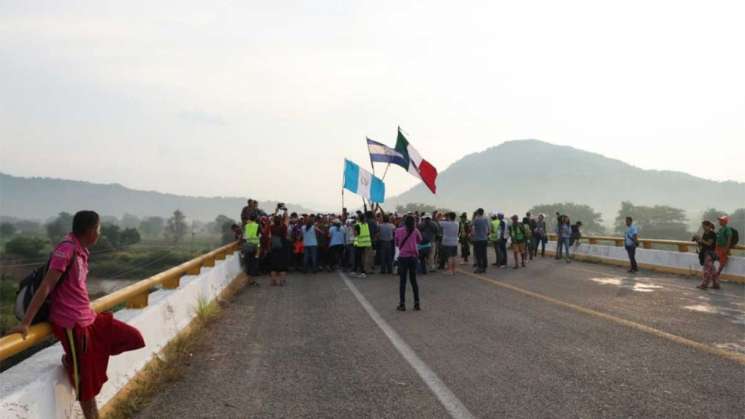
(266, 98)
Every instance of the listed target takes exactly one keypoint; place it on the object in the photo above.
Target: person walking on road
(450, 242)
(724, 243)
(707, 255)
(406, 238)
(480, 235)
(631, 242)
(565, 235)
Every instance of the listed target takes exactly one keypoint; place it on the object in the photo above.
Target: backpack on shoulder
(27, 289)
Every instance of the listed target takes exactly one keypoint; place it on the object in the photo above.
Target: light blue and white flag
(363, 183)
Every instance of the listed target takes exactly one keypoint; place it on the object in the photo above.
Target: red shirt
(69, 302)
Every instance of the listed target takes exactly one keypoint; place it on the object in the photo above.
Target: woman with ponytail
(407, 237)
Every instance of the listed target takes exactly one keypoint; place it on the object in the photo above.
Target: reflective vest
(363, 239)
(517, 232)
(252, 234)
(495, 227)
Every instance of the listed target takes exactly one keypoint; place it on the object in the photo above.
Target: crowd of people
(367, 242)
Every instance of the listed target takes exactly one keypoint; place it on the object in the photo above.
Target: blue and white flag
(381, 153)
(363, 183)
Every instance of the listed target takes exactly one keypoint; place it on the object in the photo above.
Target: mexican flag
(417, 165)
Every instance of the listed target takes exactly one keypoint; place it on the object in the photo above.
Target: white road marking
(449, 401)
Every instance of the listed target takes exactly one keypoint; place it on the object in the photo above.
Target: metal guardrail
(135, 296)
(683, 246)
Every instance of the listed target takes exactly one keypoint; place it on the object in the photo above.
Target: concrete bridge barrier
(38, 387)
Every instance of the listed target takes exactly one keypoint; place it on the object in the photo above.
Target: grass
(7, 304)
(170, 364)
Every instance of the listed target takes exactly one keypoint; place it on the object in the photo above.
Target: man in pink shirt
(407, 238)
(87, 338)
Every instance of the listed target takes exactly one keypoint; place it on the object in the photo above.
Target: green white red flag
(417, 166)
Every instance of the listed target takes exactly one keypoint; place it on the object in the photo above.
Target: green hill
(515, 175)
(42, 198)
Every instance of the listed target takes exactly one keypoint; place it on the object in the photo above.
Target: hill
(516, 175)
(42, 198)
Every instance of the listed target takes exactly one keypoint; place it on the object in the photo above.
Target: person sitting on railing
(724, 243)
(707, 255)
(88, 339)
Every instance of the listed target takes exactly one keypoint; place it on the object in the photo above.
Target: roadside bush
(24, 246)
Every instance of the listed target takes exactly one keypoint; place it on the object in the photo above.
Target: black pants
(335, 256)
(386, 256)
(631, 250)
(441, 258)
(359, 260)
(502, 252)
(423, 255)
(407, 266)
(465, 250)
(252, 263)
(479, 252)
(542, 240)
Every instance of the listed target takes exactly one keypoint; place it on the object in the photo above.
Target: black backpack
(735, 237)
(30, 284)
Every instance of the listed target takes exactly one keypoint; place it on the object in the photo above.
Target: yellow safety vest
(495, 227)
(252, 234)
(363, 239)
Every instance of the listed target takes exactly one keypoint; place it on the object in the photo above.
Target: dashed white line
(450, 402)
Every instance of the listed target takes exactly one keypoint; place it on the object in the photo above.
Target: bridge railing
(682, 245)
(134, 296)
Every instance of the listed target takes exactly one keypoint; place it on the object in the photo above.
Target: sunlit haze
(266, 99)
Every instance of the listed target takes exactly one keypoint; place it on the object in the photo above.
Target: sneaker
(416, 307)
(401, 307)
(716, 287)
(362, 276)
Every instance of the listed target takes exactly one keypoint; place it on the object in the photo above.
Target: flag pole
(386, 170)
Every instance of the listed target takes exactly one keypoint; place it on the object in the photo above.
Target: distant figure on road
(559, 223)
(450, 242)
(519, 238)
(428, 230)
(564, 236)
(464, 234)
(502, 240)
(707, 255)
(540, 236)
(724, 243)
(407, 237)
(631, 242)
(576, 235)
(479, 236)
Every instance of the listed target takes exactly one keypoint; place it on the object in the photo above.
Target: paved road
(553, 340)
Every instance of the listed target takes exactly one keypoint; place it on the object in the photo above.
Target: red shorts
(723, 255)
(87, 351)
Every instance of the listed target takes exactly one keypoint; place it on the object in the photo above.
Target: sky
(266, 99)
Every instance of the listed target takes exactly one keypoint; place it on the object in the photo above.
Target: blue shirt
(337, 235)
(632, 231)
(480, 229)
(309, 236)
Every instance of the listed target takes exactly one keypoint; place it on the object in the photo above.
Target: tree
(222, 225)
(713, 214)
(112, 233)
(592, 222)
(657, 222)
(7, 229)
(152, 226)
(737, 221)
(129, 237)
(29, 227)
(60, 226)
(420, 208)
(109, 219)
(176, 227)
(27, 247)
(130, 221)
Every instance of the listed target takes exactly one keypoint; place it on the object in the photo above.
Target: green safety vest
(494, 233)
(363, 239)
(517, 232)
(252, 234)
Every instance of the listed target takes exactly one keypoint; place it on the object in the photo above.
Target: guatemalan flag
(416, 165)
(363, 183)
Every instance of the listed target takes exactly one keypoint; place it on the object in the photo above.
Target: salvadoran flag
(416, 165)
(381, 153)
(363, 183)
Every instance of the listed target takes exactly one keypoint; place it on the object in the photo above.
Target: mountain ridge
(517, 174)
